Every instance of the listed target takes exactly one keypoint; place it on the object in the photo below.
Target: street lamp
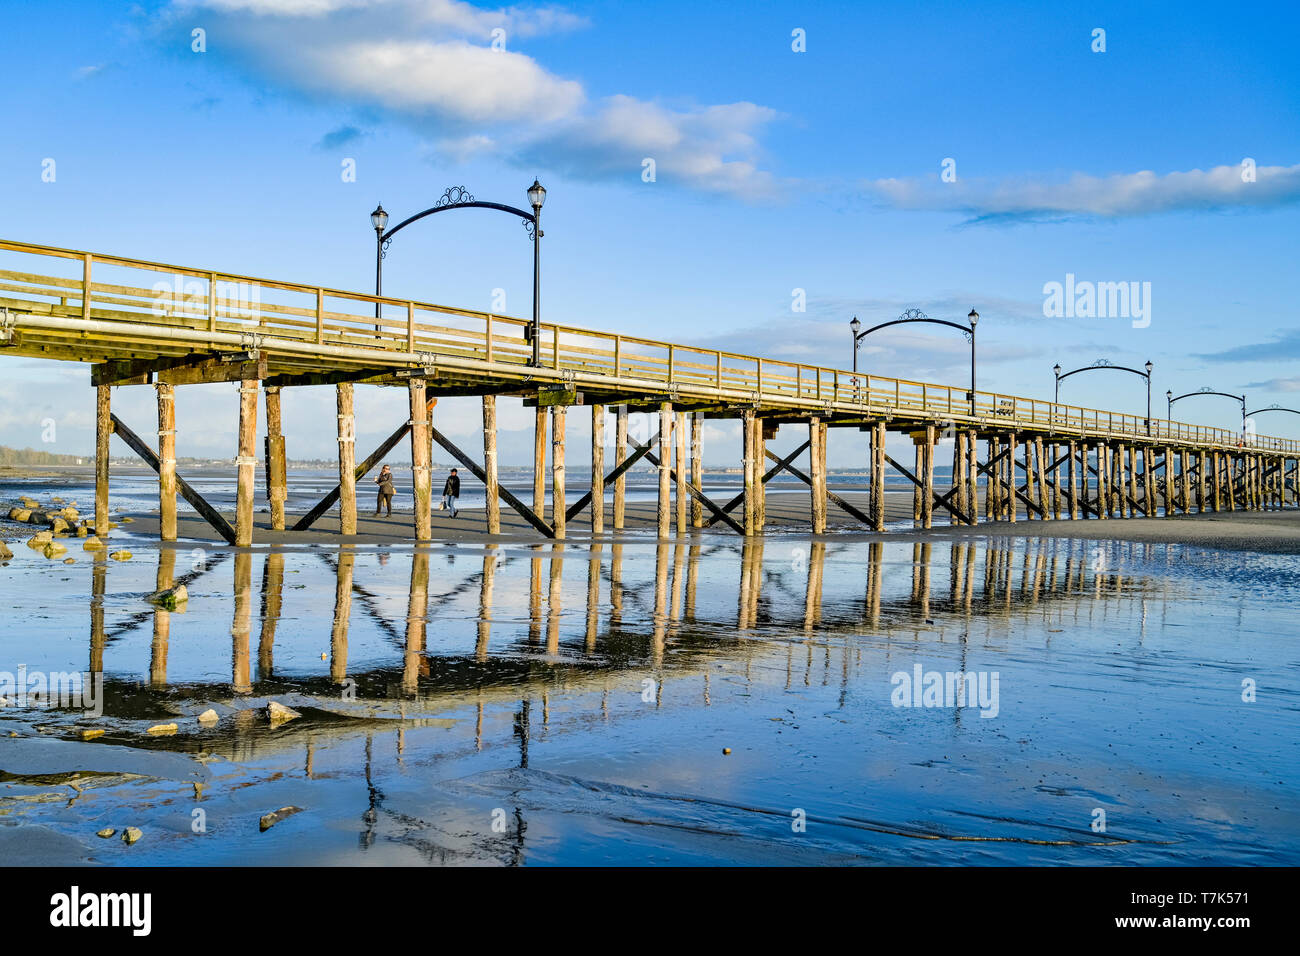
(379, 219)
(916, 315)
(537, 196)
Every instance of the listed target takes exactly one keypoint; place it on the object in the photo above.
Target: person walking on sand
(386, 490)
(451, 491)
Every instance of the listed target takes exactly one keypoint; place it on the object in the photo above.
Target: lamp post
(537, 196)
(379, 220)
(457, 197)
(916, 315)
(1104, 364)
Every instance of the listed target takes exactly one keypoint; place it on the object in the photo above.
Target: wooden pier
(148, 323)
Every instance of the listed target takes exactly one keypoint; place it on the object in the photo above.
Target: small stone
(92, 543)
(271, 819)
(82, 531)
(726, 750)
(171, 597)
(39, 540)
(69, 560)
(123, 555)
(90, 733)
(277, 713)
(53, 549)
(5, 553)
(105, 833)
(209, 716)
(58, 524)
(56, 501)
(131, 834)
(158, 729)
(127, 520)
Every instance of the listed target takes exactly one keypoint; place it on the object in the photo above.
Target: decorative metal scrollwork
(453, 195)
(383, 248)
(530, 227)
(914, 315)
(1205, 388)
(1102, 363)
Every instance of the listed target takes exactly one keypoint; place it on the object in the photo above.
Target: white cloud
(432, 63)
(1109, 197)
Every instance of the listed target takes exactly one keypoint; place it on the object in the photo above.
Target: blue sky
(776, 170)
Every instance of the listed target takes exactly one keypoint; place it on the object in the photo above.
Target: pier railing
(183, 305)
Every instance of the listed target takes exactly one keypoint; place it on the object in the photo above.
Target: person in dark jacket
(386, 490)
(451, 491)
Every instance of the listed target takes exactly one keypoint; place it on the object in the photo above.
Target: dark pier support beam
(620, 451)
(276, 472)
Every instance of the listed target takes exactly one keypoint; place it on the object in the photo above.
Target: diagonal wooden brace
(211, 514)
(503, 492)
(718, 513)
(785, 464)
(576, 508)
(735, 502)
(939, 500)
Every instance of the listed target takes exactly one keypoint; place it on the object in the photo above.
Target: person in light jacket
(451, 491)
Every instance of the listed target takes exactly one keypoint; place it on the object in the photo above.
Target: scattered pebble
(277, 713)
(90, 733)
(726, 751)
(92, 543)
(162, 729)
(271, 819)
(209, 716)
(131, 834)
(122, 555)
(106, 833)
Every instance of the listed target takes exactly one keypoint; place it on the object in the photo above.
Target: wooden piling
(816, 468)
(1216, 500)
(697, 469)
(557, 469)
(539, 462)
(927, 478)
(1186, 476)
(760, 486)
(597, 469)
(1009, 493)
(277, 490)
(246, 462)
(878, 476)
(917, 466)
(972, 477)
(1168, 482)
(1072, 478)
(167, 463)
(958, 489)
(103, 431)
(665, 458)
(347, 460)
(421, 450)
(679, 474)
(748, 452)
(491, 480)
(1042, 479)
(620, 453)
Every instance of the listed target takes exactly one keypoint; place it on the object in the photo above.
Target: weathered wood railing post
(421, 448)
(166, 462)
(347, 460)
(246, 462)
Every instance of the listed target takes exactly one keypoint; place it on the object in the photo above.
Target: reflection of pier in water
(814, 607)
(897, 590)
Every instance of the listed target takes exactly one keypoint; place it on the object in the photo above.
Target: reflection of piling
(554, 599)
(417, 610)
(241, 626)
(272, 597)
(593, 598)
(342, 614)
(161, 619)
(486, 582)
